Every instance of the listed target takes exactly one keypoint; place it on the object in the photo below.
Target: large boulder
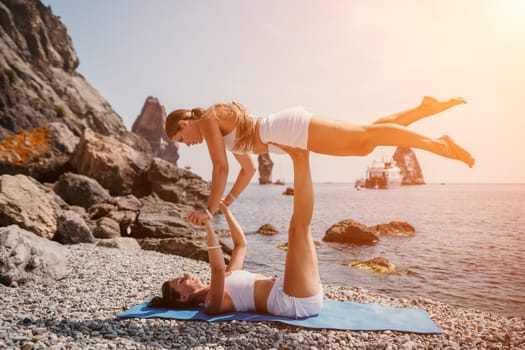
(118, 167)
(161, 219)
(177, 185)
(150, 125)
(106, 228)
(29, 204)
(80, 190)
(24, 255)
(349, 231)
(121, 210)
(265, 168)
(407, 161)
(71, 229)
(162, 226)
(42, 153)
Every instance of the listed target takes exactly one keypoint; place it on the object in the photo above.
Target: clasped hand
(199, 217)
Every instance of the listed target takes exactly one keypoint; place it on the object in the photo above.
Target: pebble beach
(80, 312)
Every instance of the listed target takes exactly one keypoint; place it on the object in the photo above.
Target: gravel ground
(79, 312)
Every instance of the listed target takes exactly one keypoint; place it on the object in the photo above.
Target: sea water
(469, 247)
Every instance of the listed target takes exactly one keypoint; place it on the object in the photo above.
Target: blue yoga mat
(341, 315)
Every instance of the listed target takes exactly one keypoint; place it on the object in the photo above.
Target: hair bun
(157, 302)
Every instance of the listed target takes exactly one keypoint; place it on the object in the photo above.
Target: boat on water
(383, 174)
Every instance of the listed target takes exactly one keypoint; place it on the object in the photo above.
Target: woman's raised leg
(340, 138)
(429, 106)
(301, 272)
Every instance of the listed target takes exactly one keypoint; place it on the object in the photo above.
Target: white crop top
(240, 286)
(229, 141)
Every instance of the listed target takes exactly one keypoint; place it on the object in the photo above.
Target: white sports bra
(240, 286)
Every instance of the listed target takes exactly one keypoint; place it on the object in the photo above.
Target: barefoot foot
(432, 105)
(454, 151)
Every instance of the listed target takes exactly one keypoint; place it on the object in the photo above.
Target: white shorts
(288, 127)
(281, 304)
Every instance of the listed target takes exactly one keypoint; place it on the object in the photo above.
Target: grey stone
(177, 185)
(72, 229)
(24, 255)
(27, 203)
(80, 190)
(161, 219)
(106, 228)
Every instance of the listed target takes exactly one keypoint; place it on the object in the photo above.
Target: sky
(346, 60)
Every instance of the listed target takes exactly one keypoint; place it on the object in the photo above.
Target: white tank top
(240, 286)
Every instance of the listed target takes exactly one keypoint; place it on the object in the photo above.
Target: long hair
(170, 299)
(244, 124)
(245, 129)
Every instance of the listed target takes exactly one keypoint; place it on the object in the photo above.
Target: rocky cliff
(69, 169)
(38, 79)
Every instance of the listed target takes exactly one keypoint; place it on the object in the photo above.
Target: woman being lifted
(228, 126)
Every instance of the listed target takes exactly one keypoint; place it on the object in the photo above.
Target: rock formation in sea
(150, 125)
(353, 232)
(289, 191)
(265, 169)
(394, 229)
(406, 160)
(268, 230)
(377, 264)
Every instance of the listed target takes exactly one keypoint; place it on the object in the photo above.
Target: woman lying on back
(297, 294)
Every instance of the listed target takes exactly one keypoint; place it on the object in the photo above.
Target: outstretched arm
(238, 238)
(216, 294)
(243, 179)
(215, 142)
